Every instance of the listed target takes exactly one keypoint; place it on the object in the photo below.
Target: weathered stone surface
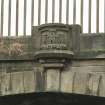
(12, 48)
(84, 46)
(88, 69)
(92, 46)
(39, 79)
(75, 31)
(67, 81)
(85, 63)
(16, 66)
(73, 62)
(96, 84)
(53, 80)
(5, 83)
(80, 83)
(91, 42)
(29, 81)
(17, 82)
(93, 84)
(52, 36)
(102, 86)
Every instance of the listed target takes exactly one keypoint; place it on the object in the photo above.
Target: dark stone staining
(73, 81)
(88, 91)
(99, 85)
(92, 42)
(39, 81)
(51, 99)
(17, 66)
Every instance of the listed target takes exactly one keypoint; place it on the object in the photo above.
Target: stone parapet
(66, 38)
(56, 58)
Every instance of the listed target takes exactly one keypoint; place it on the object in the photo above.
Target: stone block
(17, 82)
(53, 80)
(29, 81)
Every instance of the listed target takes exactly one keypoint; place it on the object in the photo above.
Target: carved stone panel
(53, 40)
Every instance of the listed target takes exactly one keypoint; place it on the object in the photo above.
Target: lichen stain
(15, 49)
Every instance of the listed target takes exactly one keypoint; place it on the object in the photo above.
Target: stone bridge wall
(83, 71)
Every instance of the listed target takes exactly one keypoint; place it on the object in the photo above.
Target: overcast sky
(28, 27)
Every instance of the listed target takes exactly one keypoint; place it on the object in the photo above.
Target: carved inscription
(54, 40)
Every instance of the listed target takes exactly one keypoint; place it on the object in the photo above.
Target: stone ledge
(54, 54)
